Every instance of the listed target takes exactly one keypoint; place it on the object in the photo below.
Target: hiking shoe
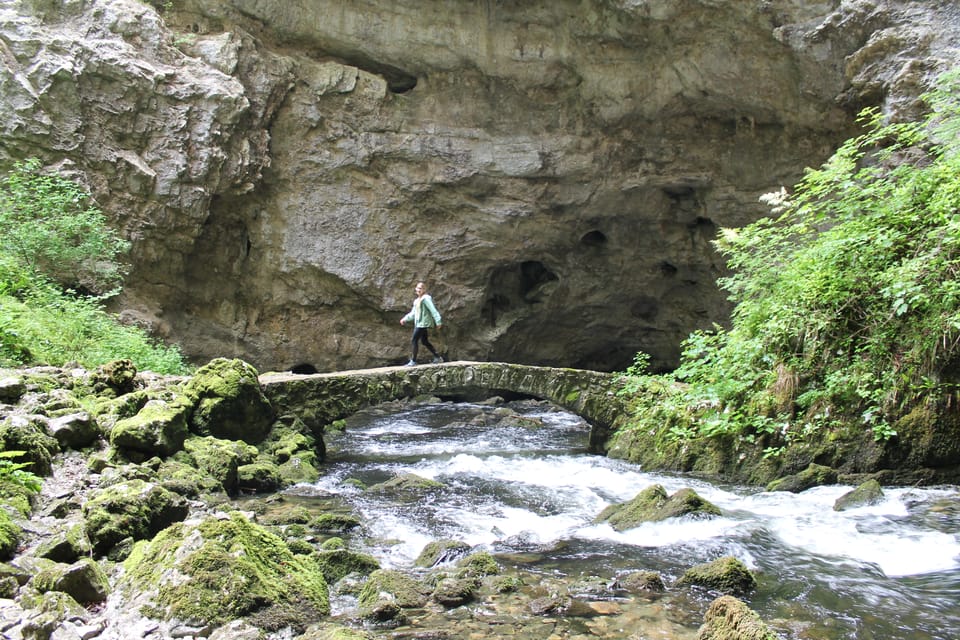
(411, 363)
(437, 359)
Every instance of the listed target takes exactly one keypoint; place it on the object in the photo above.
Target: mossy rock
(259, 477)
(83, 580)
(406, 486)
(68, 544)
(406, 591)
(187, 480)
(654, 505)
(728, 618)
(221, 459)
(338, 563)
(478, 565)
(641, 582)
(29, 435)
(117, 377)
(10, 535)
(726, 575)
(867, 494)
(159, 428)
(330, 631)
(229, 402)
(301, 467)
(334, 523)
(815, 475)
(222, 569)
(74, 430)
(132, 509)
(441, 551)
(454, 592)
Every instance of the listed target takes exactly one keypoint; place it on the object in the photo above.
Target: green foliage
(848, 302)
(52, 228)
(13, 472)
(54, 237)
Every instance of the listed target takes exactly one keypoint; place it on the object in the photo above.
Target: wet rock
(134, 509)
(550, 605)
(334, 523)
(641, 582)
(814, 475)
(653, 505)
(868, 493)
(398, 587)
(730, 619)
(478, 565)
(336, 564)
(407, 485)
(440, 552)
(726, 575)
(229, 402)
(454, 592)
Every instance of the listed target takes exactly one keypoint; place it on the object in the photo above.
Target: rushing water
(530, 494)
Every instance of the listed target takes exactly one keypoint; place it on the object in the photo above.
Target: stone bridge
(319, 399)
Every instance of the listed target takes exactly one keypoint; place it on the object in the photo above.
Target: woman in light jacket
(424, 315)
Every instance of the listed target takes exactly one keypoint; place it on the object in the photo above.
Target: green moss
(230, 403)
(337, 563)
(132, 509)
(404, 590)
(477, 565)
(235, 568)
(727, 575)
(10, 535)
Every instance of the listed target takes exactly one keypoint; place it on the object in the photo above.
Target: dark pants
(420, 335)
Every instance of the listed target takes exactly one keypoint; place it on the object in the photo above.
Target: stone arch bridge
(321, 398)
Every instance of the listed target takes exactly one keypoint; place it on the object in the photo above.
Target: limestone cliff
(555, 169)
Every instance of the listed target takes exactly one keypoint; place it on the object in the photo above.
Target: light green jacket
(423, 314)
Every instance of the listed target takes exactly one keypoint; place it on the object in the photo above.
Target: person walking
(424, 316)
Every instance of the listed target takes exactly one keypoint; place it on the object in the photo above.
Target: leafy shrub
(847, 304)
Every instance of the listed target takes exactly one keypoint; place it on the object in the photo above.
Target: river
(524, 487)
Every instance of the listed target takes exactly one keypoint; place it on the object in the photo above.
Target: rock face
(287, 171)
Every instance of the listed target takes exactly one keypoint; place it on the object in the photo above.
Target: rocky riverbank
(166, 510)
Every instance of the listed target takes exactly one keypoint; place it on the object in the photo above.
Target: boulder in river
(653, 505)
(814, 475)
(726, 575)
(730, 619)
(868, 493)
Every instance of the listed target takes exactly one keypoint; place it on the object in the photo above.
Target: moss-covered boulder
(132, 509)
(442, 551)
(159, 428)
(221, 459)
(29, 434)
(187, 480)
(728, 618)
(653, 505)
(726, 575)
(84, 581)
(229, 402)
(338, 563)
(117, 377)
(404, 590)
(221, 569)
(452, 592)
(10, 535)
(868, 493)
(301, 467)
(68, 544)
(406, 486)
(334, 523)
(815, 475)
(12, 388)
(477, 565)
(258, 477)
(641, 582)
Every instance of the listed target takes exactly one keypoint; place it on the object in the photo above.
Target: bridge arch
(319, 399)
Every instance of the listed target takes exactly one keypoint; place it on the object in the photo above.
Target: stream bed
(519, 482)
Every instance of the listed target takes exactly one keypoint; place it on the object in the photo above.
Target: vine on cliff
(847, 302)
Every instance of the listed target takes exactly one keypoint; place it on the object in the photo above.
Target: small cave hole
(401, 83)
(595, 238)
(667, 269)
(533, 273)
(303, 369)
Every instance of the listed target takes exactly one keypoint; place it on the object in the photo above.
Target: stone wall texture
(555, 170)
